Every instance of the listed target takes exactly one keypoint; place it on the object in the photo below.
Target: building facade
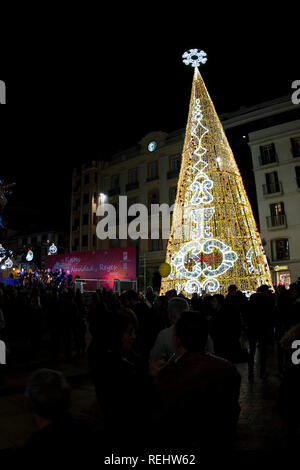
(148, 174)
(276, 162)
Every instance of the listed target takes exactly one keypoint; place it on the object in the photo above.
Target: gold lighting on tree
(214, 241)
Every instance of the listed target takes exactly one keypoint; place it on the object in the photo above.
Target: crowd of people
(45, 278)
(163, 367)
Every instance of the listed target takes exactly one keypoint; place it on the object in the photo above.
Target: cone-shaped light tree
(214, 241)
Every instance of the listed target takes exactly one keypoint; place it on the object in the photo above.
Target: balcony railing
(276, 221)
(267, 159)
(272, 188)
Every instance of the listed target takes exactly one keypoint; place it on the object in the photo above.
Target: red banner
(116, 263)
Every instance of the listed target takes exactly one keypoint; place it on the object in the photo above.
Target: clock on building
(152, 146)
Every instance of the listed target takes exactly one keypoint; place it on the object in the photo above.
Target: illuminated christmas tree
(214, 241)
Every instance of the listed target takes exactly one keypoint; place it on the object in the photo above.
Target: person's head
(176, 306)
(294, 292)
(124, 333)
(217, 301)
(171, 293)
(195, 303)
(191, 331)
(131, 297)
(263, 288)
(48, 393)
(232, 289)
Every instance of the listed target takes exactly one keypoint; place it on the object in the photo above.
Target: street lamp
(102, 198)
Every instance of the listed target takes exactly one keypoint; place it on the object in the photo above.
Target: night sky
(78, 91)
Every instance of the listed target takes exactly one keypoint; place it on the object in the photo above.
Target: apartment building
(148, 174)
(276, 162)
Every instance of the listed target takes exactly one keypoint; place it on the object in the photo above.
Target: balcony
(114, 191)
(276, 221)
(271, 189)
(267, 159)
(131, 186)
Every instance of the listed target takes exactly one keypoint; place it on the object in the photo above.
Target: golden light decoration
(164, 269)
(214, 241)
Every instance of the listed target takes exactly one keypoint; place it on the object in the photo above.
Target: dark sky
(83, 90)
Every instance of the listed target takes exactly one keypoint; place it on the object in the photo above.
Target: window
(95, 178)
(277, 217)
(267, 154)
(277, 209)
(85, 219)
(153, 170)
(130, 202)
(94, 218)
(114, 181)
(84, 241)
(272, 184)
(280, 249)
(76, 224)
(86, 198)
(175, 163)
(132, 176)
(77, 186)
(86, 178)
(95, 198)
(295, 141)
(94, 240)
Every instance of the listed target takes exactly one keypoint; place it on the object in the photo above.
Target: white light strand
(199, 193)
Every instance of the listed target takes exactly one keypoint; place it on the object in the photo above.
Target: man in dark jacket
(197, 397)
(59, 433)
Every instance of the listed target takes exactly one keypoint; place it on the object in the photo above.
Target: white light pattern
(186, 263)
(194, 57)
(52, 249)
(8, 263)
(29, 256)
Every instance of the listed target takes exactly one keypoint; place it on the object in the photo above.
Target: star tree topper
(194, 57)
